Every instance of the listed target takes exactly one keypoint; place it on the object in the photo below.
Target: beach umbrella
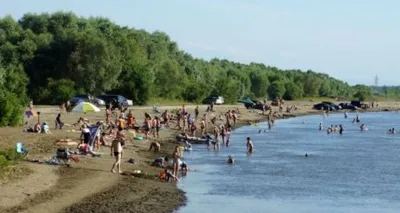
(85, 107)
(246, 101)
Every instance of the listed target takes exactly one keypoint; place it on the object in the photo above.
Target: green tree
(292, 91)
(276, 89)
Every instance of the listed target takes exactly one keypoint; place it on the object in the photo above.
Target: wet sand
(89, 186)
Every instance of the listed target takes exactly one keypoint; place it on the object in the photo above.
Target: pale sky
(352, 40)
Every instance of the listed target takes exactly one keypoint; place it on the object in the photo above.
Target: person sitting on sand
(37, 128)
(169, 175)
(102, 139)
(249, 145)
(160, 162)
(45, 128)
(231, 160)
(156, 146)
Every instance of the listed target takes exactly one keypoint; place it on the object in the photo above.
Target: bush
(11, 110)
(8, 157)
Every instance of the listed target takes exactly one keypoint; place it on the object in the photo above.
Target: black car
(335, 106)
(323, 106)
(348, 106)
(116, 101)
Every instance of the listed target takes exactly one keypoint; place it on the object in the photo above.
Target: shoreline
(89, 186)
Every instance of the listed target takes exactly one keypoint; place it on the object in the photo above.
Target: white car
(129, 102)
(219, 100)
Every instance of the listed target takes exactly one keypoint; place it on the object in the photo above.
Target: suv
(117, 101)
(218, 100)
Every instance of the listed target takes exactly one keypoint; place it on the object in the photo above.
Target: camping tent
(85, 107)
(246, 101)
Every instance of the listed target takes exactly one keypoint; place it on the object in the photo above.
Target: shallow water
(354, 172)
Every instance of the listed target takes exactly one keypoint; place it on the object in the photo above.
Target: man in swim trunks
(116, 149)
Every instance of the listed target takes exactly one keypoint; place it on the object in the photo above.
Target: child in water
(230, 160)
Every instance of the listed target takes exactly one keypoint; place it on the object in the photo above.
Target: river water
(354, 172)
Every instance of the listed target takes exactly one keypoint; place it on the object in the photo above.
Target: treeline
(50, 57)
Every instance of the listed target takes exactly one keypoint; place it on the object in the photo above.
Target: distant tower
(376, 80)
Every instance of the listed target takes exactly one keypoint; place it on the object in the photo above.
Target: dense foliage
(51, 57)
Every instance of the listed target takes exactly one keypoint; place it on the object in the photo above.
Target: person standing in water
(250, 146)
(176, 156)
(345, 115)
(341, 129)
(321, 126)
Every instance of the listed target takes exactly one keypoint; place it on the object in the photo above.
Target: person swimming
(231, 160)
(363, 127)
(306, 155)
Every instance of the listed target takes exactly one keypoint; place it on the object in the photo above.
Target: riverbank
(88, 185)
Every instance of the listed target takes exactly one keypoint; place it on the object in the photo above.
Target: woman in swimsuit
(176, 155)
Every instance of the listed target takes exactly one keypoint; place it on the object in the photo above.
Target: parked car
(218, 100)
(335, 106)
(323, 106)
(86, 98)
(117, 101)
(348, 106)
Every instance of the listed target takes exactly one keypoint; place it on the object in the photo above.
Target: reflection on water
(354, 172)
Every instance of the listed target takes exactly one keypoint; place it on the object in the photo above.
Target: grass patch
(8, 168)
(9, 157)
(169, 102)
(316, 99)
(383, 99)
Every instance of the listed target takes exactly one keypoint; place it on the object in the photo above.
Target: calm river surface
(355, 172)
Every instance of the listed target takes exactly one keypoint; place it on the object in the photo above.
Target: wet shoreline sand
(89, 186)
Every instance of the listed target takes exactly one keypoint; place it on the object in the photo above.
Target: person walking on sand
(176, 156)
(196, 113)
(116, 149)
(250, 146)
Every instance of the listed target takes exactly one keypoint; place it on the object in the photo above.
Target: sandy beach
(89, 186)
